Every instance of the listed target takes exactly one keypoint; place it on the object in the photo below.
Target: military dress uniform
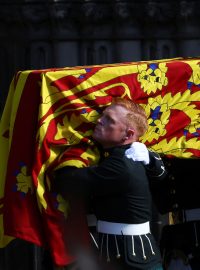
(121, 198)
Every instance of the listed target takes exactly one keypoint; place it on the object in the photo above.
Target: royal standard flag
(48, 121)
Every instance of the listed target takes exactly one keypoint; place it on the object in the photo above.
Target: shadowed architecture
(57, 33)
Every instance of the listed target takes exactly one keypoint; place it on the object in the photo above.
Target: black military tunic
(120, 191)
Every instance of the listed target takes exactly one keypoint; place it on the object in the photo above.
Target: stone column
(188, 39)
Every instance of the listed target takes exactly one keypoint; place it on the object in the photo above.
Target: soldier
(119, 188)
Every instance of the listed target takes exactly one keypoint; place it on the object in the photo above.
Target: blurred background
(38, 34)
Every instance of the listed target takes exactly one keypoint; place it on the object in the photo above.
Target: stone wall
(56, 33)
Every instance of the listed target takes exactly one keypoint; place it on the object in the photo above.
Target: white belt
(122, 228)
(192, 214)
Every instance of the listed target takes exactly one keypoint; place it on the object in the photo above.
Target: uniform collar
(108, 151)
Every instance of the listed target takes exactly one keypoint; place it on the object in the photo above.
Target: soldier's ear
(130, 133)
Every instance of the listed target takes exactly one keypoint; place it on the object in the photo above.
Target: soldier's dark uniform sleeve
(97, 179)
(155, 169)
(158, 181)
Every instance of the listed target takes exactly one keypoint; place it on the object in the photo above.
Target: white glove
(138, 152)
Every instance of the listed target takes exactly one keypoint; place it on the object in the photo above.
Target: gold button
(106, 154)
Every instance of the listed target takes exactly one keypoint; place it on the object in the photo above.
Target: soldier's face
(111, 128)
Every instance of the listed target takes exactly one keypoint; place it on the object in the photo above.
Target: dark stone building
(37, 34)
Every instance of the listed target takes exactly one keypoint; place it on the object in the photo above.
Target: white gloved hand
(138, 152)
